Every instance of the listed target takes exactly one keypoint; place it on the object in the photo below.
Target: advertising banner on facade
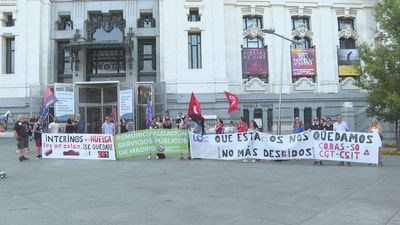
(347, 61)
(126, 104)
(321, 145)
(303, 62)
(255, 61)
(64, 107)
(143, 142)
(78, 146)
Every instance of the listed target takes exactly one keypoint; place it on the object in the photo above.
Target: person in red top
(219, 127)
(241, 126)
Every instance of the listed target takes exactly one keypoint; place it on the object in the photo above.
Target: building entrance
(96, 101)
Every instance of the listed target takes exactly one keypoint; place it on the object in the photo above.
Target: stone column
(301, 114)
(265, 119)
(251, 114)
(348, 114)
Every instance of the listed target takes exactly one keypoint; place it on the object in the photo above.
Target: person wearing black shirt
(124, 126)
(317, 126)
(328, 125)
(70, 126)
(21, 132)
(178, 120)
(37, 136)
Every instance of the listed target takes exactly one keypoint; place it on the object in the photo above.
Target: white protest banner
(346, 146)
(255, 145)
(78, 146)
(325, 145)
(126, 109)
(64, 108)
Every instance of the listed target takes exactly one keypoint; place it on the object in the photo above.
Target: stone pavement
(172, 192)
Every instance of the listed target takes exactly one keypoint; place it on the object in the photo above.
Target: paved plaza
(172, 192)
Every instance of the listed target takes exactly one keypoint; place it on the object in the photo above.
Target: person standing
(253, 127)
(108, 127)
(124, 126)
(376, 127)
(21, 132)
(219, 126)
(37, 136)
(54, 126)
(241, 126)
(341, 126)
(328, 124)
(80, 125)
(179, 120)
(232, 128)
(70, 126)
(317, 126)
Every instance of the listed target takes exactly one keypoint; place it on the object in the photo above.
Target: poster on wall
(347, 61)
(126, 109)
(78, 146)
(64, 108)
(255, 61)
(303, 62)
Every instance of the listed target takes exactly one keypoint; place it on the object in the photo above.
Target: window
(147, 60)
(296, 22)
(64, 62)
(10, 55)
(347, 43)
(65, 23)
(146, 20)
(256, 42)
(194, 47)
(342, 22)
(10, 21)
(106, 62)
(105, 27)
(194, 15)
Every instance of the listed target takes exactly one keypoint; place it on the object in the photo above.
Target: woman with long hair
(219, 127)
(376, 127)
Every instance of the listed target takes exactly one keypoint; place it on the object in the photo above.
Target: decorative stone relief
(302, 32)
(348, 84)
(304, 84)
(253, 32)
(128, 46)
(105, 21)
(255, 85)
(348, 32)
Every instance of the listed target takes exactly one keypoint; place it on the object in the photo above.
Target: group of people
(24, 129)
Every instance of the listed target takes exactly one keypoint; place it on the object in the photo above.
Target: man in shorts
(21, 132)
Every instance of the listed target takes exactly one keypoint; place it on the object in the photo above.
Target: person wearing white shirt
(108, 127)
(54, 126)
(341, 126)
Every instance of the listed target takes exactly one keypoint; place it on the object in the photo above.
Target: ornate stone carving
(348, 84)
(255, 85)
(65, 23)
(302, 32)
(105, 21)
(128, 46)
(304, 84)
(253, 32)
(348, 32)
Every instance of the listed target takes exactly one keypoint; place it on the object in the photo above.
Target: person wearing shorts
(37, 136)
(21, 132)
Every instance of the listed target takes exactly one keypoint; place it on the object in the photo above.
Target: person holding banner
(317, 126)
(54, 126)
(219, 126)
(341, 126)
(241, 126)
(253, 127)
(80, 125)
(108, 127)
(376, 127)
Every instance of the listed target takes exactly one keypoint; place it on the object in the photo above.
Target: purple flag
(148, 112)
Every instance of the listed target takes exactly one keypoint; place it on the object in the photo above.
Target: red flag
(194, 107)
(114, 115)
(233, 101)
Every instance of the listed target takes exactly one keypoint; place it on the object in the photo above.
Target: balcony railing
(8, 2)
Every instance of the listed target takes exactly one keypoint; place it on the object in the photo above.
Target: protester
(166, 117)
(108, 126)
(341, 126)
(70, 126)
(317, 126)
(184, 124)
(159, 122)
(80, 125)
(21, 132)
(241, 126)
(296, 119)
(219, 126)
(253, 127)
(232, 128)
(37, 136)
(124, 125)
(328, 124)
(376, 127)
(179, 120)
(167, 124)
(54, 126)
(298, 127)
(29, 123)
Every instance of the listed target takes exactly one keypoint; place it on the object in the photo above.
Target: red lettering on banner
(349, 155)
(331, 146)
(100, 139)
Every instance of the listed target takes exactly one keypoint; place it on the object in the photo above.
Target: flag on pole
(194, 108)
(233, 101)
(148, 112)
(114, 115)
(49, 99)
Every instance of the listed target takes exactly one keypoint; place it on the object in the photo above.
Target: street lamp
(283, 38)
